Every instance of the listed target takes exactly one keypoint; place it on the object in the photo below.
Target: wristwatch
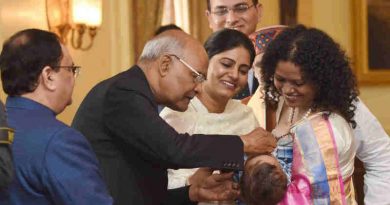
(6, 135)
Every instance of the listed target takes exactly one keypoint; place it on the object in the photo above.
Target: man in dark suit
(135, 146)
(54, 164)
(6, 135)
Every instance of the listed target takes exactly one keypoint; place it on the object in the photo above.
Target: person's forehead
(227, 3)
(197, 58)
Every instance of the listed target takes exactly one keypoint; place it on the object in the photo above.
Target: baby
(263, 182)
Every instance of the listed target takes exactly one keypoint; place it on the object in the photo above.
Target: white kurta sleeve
(373, 149)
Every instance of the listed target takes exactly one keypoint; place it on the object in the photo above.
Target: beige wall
(270, 15)
(334, 17)
(110, 53)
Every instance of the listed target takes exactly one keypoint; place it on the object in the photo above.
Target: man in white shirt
(373, 144)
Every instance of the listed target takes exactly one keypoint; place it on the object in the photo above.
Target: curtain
(288, 12)
(146, 16)
(168, 14)
(198, 26)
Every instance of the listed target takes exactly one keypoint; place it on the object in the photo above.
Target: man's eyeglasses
(199, 77)
(238, 9)
(74, 69)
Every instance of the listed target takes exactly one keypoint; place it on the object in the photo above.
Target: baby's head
(263, 181)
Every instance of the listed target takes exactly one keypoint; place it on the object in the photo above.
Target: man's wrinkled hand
(259, 141)
(206, 186)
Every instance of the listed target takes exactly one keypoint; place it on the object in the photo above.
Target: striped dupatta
(316, 176)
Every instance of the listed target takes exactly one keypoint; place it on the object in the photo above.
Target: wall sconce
(76, 17)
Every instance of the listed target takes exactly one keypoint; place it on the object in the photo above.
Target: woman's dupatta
(316, 177)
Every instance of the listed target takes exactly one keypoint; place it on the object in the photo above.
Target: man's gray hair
(161, 45)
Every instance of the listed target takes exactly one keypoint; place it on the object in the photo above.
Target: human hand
(259, 141)
(206, 186)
